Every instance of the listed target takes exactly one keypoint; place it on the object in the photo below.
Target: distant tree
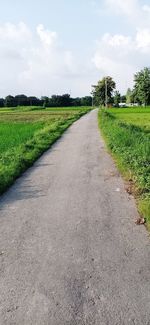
(60, 101)
(76, 101)
(99, 90)
(2, 102)
(34, 101)
(134, 97)
(123, 99)
(10, 101)
(45, 101)
(21, 100)
(142, 86)
(117, 98)
(54, 101)
(65, 100)
(86, 101)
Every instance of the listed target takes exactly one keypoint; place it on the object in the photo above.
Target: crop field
(127, 134)
(25, 133)
(137, 116)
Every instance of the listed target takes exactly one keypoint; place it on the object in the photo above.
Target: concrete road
(70, 252)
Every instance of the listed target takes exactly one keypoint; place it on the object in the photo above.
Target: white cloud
(15, 33)
(127, 7)
(47, 37)
(125, 45)
(132, 10)
(143, 39)
(121, 56)
(146, 8)
(110, 66)
(111, 58)
(117, 41)
(47, 61)
(36, 63)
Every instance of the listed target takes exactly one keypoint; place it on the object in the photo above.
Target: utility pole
(92, 101)
(92, 93)
(106, 95)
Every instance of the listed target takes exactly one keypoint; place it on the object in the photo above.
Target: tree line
(105, 90)
(105, 93)
(53, 101)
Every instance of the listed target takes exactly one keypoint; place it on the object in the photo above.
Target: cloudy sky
(59, 46)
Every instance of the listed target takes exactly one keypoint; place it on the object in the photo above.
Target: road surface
(70, 252)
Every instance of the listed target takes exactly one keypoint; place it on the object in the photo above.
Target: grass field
(137, 116)
(25, 133)
(127, 134)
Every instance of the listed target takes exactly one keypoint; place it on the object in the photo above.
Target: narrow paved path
(70, 252)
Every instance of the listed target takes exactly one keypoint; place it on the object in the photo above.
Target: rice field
(25, 133)
(136, 116)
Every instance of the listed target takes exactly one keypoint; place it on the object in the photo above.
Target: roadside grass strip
(130, 146)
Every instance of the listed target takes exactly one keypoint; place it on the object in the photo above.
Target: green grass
(25, 135)
(127, 135)
(137, 116)
(14, 134)
(30, 114)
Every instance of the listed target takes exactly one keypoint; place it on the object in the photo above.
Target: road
(70, 252)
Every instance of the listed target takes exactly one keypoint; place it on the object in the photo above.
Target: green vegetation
(105, 93)
(106, 85)
(137, 116)
(141, 91)
(25, 135)
(127, 134)
(53, 101)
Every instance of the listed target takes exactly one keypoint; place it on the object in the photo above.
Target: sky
(65, 46)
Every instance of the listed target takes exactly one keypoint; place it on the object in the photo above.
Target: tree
(129, 96)
(117, 98)
(123, 98)
(142, 86)
(86, 101)
(60, 101)
(21, 100)
(2, 102)
(76, 101)
(34, 101)
(99, 91)
(10, 101)
(65, 100)
(45, 101)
